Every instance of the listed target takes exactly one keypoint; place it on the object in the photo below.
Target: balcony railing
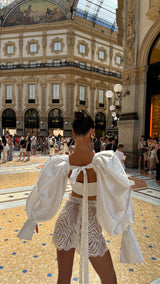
(60, 65)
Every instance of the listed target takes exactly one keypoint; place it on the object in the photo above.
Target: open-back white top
(114, 209)
(77, 187)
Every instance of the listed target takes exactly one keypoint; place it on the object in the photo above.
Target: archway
(9, 121)
(153, 91)
(31, 122)
(55, 122)
(100, 124)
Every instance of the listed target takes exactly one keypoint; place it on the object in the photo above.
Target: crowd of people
(149, 150)
(149, 155)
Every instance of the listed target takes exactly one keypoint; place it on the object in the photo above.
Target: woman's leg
(104, 268)
(65, 265)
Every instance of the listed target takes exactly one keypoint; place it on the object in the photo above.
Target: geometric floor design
(35, 261)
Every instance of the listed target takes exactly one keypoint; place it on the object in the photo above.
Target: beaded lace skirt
(67, 231)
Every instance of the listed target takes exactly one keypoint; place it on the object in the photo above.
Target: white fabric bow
(84, 271)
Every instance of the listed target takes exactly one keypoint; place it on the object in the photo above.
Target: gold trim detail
(86, 48)
(56, 39)
(9, 43)
(32, 41)
(101, 48)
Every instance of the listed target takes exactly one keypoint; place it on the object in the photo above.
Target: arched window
(153, 91)
(31, 119)
(55, 119)
(100, 124)
(9, 118)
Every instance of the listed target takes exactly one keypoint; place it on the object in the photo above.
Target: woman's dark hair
(82, 123)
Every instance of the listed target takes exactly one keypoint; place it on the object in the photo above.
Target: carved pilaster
(119, 17)
(131, 33)
(44, 44)
(21, 49)
(70, 44)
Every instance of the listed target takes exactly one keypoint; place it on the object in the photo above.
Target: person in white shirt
(100, 198)
(121, 155)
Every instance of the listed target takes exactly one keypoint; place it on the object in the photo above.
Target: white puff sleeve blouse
(114, 205)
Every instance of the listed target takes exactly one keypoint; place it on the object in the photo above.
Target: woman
(157, 155)
(5, 149)
(28, 147)
(10, 144)
(100, 198)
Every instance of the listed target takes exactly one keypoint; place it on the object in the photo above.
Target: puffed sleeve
(114, 204)
(46, 196)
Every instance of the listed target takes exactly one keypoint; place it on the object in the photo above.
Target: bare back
(82, 158)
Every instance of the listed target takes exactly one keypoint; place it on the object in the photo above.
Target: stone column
(44, 117)
(68, 117)
(92, 100)
(20, 118)
(129, 119)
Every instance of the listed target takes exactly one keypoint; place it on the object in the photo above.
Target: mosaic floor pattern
(35, 261)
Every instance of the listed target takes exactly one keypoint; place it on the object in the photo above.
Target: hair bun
(79, 114)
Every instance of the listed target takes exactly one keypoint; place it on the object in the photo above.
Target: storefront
(100, 125)
(9, 121)
(31, 122)
(55, 122)
(153, 91)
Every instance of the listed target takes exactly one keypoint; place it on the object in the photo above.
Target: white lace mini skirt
(67, 231)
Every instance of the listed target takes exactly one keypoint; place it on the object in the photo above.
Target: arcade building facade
(52, 63)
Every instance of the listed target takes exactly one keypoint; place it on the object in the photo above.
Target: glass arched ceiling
(102, 12)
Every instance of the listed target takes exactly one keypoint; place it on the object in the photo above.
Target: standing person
(157, 155)
(51, 147)
(120, 155)
(5, 149)
(111, 145)
(22, 148)
(142, 147)
(100, 198)
(33, 145)
(1, 148)
(97, 145)
(28, 147)
(10, 144)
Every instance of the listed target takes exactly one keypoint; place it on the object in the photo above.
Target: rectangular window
(101, 98)
(31, 93)
(57, 62)
(55, 93)
(101, 69)
(82, 95)
(82, 65)
(82, 48)
(118, 60)
(10, 49)
(33, 47)
(32, 64)
(57, 45)
(9, 65)
(8, 94)
(101, 54)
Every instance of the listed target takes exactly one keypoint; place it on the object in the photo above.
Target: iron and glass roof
(102, 12)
